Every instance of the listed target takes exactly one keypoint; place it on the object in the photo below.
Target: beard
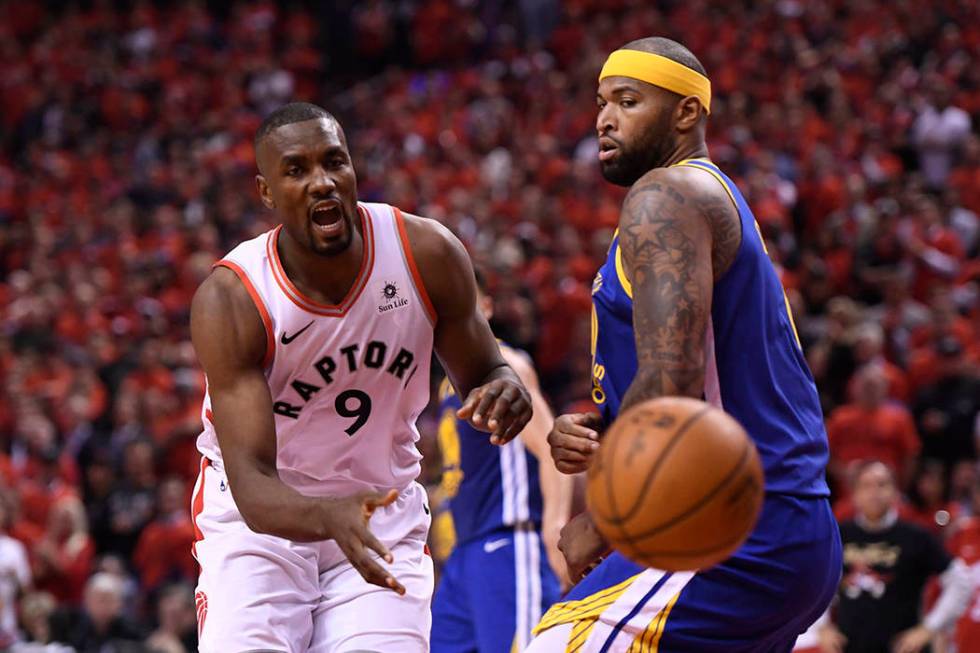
(637, 158)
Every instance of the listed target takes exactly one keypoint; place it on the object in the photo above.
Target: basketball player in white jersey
(316, 339)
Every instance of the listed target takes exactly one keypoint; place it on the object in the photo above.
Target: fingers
(466, 410)
(373, 543)
(360, 558)
(580, 424)
(501, 407)
(571, 468)
(487, 397)
(380, 500)
(573, 443)
(513, 422)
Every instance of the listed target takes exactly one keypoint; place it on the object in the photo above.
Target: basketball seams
(620, 522)
(703, 501)
(651, 475)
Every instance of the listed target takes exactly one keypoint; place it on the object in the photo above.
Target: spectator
(63, 556)
(939, 133)
(887, 562)
(964, 543)
(946, 408)
(131, 503)
(869, 428)
(98, 626)
(929, 504)
(162, 551)
(15, 578)
(176, 621)
(36, 609)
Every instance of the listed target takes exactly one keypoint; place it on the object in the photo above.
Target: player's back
(348, 380)
(755, 367)
(489, 487)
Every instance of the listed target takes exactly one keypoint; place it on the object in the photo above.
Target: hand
(551, 533)
(348, 523)
(574, 439)
(912, 640)
(582, 546)
(501, 407)
(830, 639)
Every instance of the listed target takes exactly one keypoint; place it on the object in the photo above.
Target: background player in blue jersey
(688, 303)
(507, 506)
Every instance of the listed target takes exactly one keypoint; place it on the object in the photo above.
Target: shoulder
(222, 290)
(443, 265)
(429, 238)
(224, 316)
(662, 185)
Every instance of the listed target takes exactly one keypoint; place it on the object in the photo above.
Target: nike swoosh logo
(288, 339)
(490, 547)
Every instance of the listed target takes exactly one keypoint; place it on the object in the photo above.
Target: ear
(264, 192)
(688, 113)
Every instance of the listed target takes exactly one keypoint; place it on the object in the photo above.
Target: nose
(604, 121)
(321, 183)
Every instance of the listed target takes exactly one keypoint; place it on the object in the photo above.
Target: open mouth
(327, 217)
(607, 149)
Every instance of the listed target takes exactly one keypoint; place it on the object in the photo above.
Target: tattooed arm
(666, 243)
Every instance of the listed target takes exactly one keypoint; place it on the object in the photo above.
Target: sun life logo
(390, 290)
(391, 300)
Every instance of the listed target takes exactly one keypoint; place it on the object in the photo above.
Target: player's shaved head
(669, 49)
(289, 114)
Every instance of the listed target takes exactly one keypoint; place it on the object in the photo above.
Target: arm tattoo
(666, 247)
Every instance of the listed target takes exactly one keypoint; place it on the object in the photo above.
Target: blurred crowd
(126, 169)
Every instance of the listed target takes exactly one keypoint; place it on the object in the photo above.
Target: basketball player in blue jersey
(687, 303)
(507, 506)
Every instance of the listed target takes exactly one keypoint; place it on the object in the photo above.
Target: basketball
(677, 484)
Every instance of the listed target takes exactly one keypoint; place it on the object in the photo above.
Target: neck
(326, 278)
(694, 149)
(880, 524)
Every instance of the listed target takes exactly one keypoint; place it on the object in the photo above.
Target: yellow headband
(659, 71)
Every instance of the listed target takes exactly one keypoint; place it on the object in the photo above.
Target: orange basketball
(676, 484)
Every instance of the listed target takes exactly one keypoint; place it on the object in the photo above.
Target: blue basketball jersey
(489, 487)
(755, 367)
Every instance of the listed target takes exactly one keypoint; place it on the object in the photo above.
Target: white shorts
(264, 593)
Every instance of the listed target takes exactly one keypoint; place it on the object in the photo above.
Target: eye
(293, 171)
(601, 103)
(627, 102)
(338, 162)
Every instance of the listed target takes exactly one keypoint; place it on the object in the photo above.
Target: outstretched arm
(665, 241)
(496, 400)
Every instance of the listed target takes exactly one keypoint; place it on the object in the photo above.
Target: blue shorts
(757, 601)
(493, 590)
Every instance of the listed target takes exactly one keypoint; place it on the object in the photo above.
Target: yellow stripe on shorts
(649, 640)
(588, 608)
(580, 634)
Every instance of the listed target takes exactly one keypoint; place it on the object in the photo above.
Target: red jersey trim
(270, 340)
(412, 267)
(310, 305)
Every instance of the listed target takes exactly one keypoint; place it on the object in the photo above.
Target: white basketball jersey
(347, 381)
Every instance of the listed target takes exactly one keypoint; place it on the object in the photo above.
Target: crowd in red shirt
(126, 169)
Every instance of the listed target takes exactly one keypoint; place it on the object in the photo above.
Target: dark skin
(306, 166)
(679, 232)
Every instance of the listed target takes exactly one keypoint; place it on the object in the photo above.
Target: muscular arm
(666, 245)
(230, 340)
(496, 400)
